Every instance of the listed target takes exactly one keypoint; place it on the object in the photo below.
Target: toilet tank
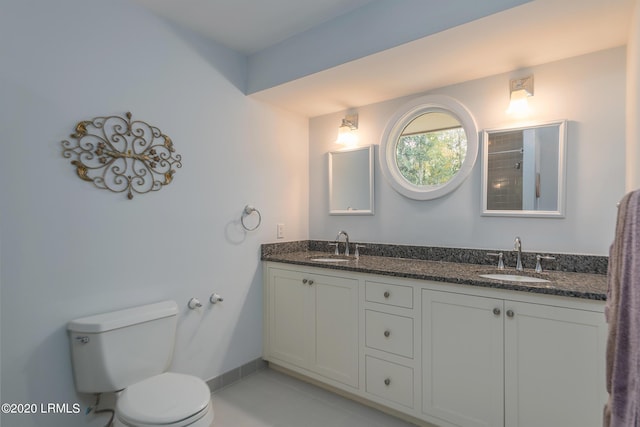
(111, 351)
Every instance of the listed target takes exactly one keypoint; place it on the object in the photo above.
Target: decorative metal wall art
(119, 155)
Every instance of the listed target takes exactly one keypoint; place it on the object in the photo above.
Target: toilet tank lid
(121, 318)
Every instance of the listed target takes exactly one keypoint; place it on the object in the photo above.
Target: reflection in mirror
(351, 181)
(523, 171)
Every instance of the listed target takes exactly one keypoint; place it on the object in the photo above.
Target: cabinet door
(313, 323)
(289, 317)
(335, 314)
(554, 366)
(462, 359)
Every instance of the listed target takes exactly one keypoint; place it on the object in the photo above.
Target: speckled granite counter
(570, 284)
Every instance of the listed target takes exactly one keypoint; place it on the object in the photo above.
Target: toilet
(127, 352)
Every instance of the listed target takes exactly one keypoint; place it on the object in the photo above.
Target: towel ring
(248, 210)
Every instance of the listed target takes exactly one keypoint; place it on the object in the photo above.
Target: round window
(429, 147)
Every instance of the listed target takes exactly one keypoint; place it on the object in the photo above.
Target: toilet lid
(163, 399)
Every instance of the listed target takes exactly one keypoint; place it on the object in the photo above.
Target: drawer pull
(386, 294)
(387, 381)
(387, 333)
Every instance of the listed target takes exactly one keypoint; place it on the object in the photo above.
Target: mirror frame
(562, 159)
(395, 127)
(371, 163)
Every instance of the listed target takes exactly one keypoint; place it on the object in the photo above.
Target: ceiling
(249, 26)
(534, 33)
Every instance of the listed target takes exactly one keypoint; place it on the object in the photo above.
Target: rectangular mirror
(523, 170)
(351, 181)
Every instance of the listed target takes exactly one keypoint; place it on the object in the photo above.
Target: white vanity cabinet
(494, 362)
(312, 323)
(443, 354)
(462, 359)
(554, 365)
(390, 354)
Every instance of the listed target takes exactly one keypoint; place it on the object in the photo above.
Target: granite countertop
(570, 284)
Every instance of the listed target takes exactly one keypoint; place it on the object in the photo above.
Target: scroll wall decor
(118, 154)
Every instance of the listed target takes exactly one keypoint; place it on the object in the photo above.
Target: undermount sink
(329, 258)
(513, 278)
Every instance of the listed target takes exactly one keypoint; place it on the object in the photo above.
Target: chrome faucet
(518, 247)
(346, 236)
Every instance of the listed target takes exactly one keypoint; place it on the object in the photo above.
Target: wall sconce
(519, 91)
(348, 131)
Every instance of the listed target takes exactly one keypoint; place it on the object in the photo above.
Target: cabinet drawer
(389, 380)
(384, 293)
(388, 332)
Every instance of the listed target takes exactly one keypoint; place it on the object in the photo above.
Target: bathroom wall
(589, 91)
(70, 250)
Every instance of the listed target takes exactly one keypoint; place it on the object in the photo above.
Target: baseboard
(236, 374)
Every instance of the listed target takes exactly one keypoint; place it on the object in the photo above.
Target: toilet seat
(168, 399)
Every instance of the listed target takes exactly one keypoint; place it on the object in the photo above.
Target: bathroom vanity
(436, 342)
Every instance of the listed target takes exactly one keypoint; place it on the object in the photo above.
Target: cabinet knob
(387, 333)
(496, 311)
(310, 282)
(387, 294)
(387, 381)
(510, 313)
(304, 281)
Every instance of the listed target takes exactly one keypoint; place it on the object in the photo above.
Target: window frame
(394, 129)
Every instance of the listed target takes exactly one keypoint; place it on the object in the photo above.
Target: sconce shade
(518, 104)
(519, 91)
(347, 132)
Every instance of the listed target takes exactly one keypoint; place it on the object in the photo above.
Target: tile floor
(271, 399)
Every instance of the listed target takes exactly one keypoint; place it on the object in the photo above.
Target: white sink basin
(513, 278)
(327, 259)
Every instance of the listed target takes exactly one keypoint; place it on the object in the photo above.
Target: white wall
(589, 91)
(70, 250)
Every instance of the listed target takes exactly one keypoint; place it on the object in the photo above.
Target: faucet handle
(539, 264)
(357, 252)
(336, 245)
(500, 259)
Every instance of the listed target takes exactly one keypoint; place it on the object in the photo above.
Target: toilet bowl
(167, 400)
(128, 352)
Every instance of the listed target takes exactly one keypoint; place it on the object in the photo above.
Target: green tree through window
(431, 158)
